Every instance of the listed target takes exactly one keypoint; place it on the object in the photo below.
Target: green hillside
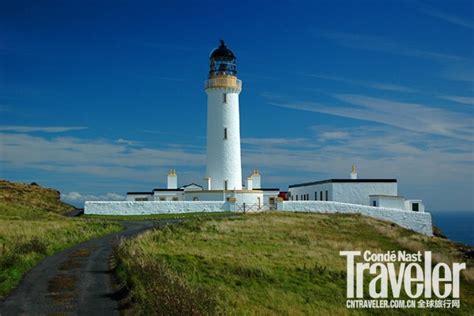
(264, 264)
(31, 228)
(29, 200)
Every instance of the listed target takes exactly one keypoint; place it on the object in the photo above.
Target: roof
(387, 196)
(167, 190)
(188, 185)
(136, 193)
(344, 181)
(268, 189)
(222, 52)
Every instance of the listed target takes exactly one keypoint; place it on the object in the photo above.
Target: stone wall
(152, 207)
(417, 221)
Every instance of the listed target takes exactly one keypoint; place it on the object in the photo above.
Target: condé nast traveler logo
(400, 279)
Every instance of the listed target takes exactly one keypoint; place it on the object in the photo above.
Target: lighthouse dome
(222, 62)
(222, 52)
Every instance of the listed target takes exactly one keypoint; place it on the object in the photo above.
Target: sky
(98, 98)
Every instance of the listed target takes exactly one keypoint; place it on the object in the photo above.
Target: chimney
(256, 179)
(208, 182)
(172, 179)
(249, 183)
(354, 173)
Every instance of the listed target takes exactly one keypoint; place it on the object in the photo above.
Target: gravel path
(74, 281)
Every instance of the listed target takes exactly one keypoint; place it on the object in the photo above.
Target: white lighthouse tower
(224, 169)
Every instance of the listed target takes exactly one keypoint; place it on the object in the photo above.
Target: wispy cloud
(78, 199)
(44, 129)
(368, 84)
(459, 99)
(273, 141)
(99, 157)
(447, 17)
(410, 116)
(382, 44)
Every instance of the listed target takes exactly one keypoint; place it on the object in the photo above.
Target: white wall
(408, 205)
(358, 192)
(310, 189)
(417, 221)
(152, 207)
(132, 197)
(397, 202)
(168, 195)
(268, 194)
(242, 196)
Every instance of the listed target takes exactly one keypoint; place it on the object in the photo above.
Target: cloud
(334, 135)
(272, 141)
(382, 44)
(459, 99)
(422, 163)
(78, 199)
(410, 116)
(98, 157)
(450, 18)
(44, 129)
(368, 84)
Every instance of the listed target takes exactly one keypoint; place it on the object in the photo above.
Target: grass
(157, 216)
(32, 229)
(270, 263)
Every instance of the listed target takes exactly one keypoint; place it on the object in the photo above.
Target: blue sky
(98, 98)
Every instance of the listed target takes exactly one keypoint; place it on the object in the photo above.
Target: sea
(456, 225)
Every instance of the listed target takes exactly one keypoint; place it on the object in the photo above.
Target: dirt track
(74, 281)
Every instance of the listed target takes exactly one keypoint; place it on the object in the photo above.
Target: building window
(162, 198)
(225, 97)
(374, 203)
(175, 199)
(225, 133)
(297, 197)
(415, 207)
(315, 196)
(327, 196)
(321, 195)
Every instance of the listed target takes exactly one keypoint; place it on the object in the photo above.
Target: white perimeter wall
(417, 221)
(151, 207)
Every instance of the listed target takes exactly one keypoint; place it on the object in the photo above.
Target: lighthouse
(224, 169)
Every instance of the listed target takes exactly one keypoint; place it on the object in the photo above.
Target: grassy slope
(31, 229)
(265, 264)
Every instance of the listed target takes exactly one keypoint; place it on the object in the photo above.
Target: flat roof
(269, 189)
(387, 196)
(168, 190)
(344, 181)
(132, 193)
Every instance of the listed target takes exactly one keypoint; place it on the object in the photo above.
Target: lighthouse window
(225, 97)
(225, 133)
